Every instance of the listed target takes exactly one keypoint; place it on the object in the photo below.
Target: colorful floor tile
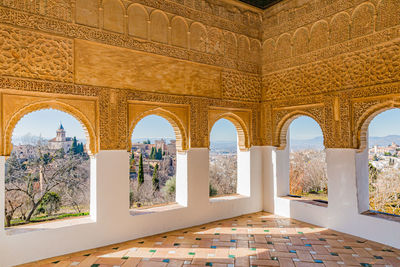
(259, 239)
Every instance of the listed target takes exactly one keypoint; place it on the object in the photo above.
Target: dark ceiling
(263, 4)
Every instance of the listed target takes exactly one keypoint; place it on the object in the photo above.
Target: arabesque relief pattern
(335, 61)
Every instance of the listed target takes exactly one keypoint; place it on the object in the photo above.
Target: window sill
(306, 201)
(155, 209)
(42, 226)
(381, 215)
(227, 198)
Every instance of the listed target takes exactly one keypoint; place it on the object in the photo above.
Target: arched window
(223, 159)
(48, 172)
(153, 163)
(308, 176)
(384, 162)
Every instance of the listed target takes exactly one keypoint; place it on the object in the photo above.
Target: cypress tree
(132, 163)
(153, 153)
(156, 181)
(141, 172)
(159, 154)
(74, 147)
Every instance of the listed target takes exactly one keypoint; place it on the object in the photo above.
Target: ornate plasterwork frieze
(372, 66)
(112, 104)
(70, 30)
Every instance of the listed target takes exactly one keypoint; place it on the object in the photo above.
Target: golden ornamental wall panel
(179, 32)
(87, 12)
(319, 35)
(113, 15)
(241, 86)
(340, 28)
(138, 21)
(159, 24)
(282, 117)
(59, 9)
(96, 65)
(198, 37)
(300, 41)
(230, 44)
(377, 65)
(362, 20)
(33, 55)
(388, 14)
(77, 31)
(240, 118)
(15, 105)
(364, 111)
(177, 115)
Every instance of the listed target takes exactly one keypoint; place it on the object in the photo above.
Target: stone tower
(60, 137)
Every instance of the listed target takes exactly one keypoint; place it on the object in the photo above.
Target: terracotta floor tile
(260, 239)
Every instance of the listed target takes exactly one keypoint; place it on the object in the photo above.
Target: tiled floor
(258, 239)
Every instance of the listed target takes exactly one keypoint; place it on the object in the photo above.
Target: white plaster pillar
(243, 173)
(112, 185)
(198, 177)
(282, 162)
(2, 194)
(93, 188)
(269, 177)
(255, 165)
(342, 186)
(182, 183)
(362, 180)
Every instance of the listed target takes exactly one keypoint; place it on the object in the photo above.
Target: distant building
(61, 141)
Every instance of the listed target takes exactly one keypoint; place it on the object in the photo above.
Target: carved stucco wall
(122, 55)
(335, 61)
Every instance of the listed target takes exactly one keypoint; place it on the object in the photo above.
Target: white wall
(348, 196)
(266, 174)
(111, 220)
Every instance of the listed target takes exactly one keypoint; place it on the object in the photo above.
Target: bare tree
(37, 176)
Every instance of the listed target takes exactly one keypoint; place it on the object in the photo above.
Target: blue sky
(157, 127)
(386, 123)
(46, 122)
(304, 128)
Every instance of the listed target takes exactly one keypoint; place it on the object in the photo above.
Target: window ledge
(381, 215)
(227, 197)
(155, 209)
(306, 201)
(48, 225)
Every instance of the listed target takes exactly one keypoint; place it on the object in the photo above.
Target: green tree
(50, 204)
(170, 185)
(156, 181)
(132, 163)
(153, 153)
(213, 191)
(60, 153)
(141, 172)
(80, 148)
(74, 147)
(158, 155)
(373, 173)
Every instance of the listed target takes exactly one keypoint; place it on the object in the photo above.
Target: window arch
(383, 153)
(176, 123)
(240, 125)
(307, 174)
(46, 178)
(153, 162)
(89, 128)
(223, 158)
